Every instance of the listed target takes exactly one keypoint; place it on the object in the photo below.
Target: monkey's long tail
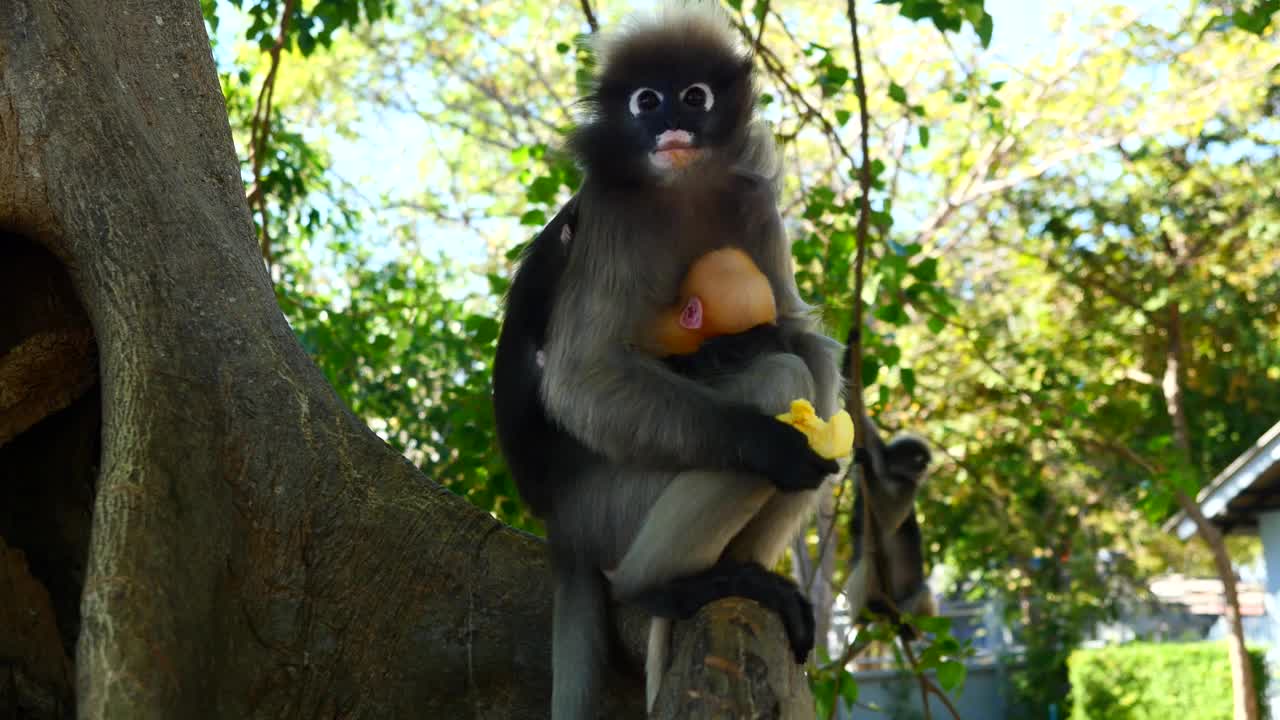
(655, 660)
(579, 642)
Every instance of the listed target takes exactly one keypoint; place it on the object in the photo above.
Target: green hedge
(1158, 681)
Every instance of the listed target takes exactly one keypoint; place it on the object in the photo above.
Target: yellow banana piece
(831, 439)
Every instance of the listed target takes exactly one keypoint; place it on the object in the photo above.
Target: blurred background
(1072, 290)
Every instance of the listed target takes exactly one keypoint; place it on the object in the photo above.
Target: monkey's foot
(681, 598)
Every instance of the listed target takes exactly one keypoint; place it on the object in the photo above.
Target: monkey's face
(907, 458)
(666, 104)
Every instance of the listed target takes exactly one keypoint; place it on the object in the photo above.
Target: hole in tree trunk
(50, 429)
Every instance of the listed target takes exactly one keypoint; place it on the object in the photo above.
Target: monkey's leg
(702, 511)
(682, 598)
(579, 640)
(597, 514)
(688, 528)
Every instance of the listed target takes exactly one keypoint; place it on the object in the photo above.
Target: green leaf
(534, 217)
(926, 270)
(935, 324)
(932, 624)
(484, 328)
(542, 190)
(891, 355)
(923, 132)
(833, 79)
(908, 378)
(1157, 300)
(984, 28)
(842, 117)
(848, 688)
(897, 92)
(892, 313)
(894, 265)
(870, 370)
(951, 674)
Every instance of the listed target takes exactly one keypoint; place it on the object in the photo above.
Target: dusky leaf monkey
(895, 472)
(665, 483)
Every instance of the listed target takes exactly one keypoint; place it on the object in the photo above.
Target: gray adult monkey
(663, 484)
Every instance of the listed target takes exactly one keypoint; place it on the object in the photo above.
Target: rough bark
(255, 551)
(1244, 696)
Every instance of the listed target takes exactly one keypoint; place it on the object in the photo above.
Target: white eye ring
(708, 98)
(634, 103)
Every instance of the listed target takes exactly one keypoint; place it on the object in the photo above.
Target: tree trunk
(181, 494)
(1244, 695)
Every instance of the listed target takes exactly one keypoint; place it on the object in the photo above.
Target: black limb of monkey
(728, 354)
(534, 445)
(683, 597)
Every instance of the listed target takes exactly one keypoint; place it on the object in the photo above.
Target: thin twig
(928, 686)
(591, 17)
(260, 128)
(855, 401)
(777, 68)
(764, 17)
(855, 404)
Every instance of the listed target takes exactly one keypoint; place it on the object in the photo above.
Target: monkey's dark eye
(698, 95)
(645, 100)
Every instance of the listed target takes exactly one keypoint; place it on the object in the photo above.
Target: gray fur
(668, 495)
(626, 404)
(667, 503)
(897, 472)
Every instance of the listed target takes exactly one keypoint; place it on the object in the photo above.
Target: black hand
(782, 453)
(683, 597)
(746, 345)
(729, 353)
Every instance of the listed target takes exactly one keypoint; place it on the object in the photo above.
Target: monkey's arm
(529, 440)
(797, 327)
(821, 354)
(636, 411)
(728, 353)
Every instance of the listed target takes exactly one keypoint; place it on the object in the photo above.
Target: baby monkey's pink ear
(691, 315)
